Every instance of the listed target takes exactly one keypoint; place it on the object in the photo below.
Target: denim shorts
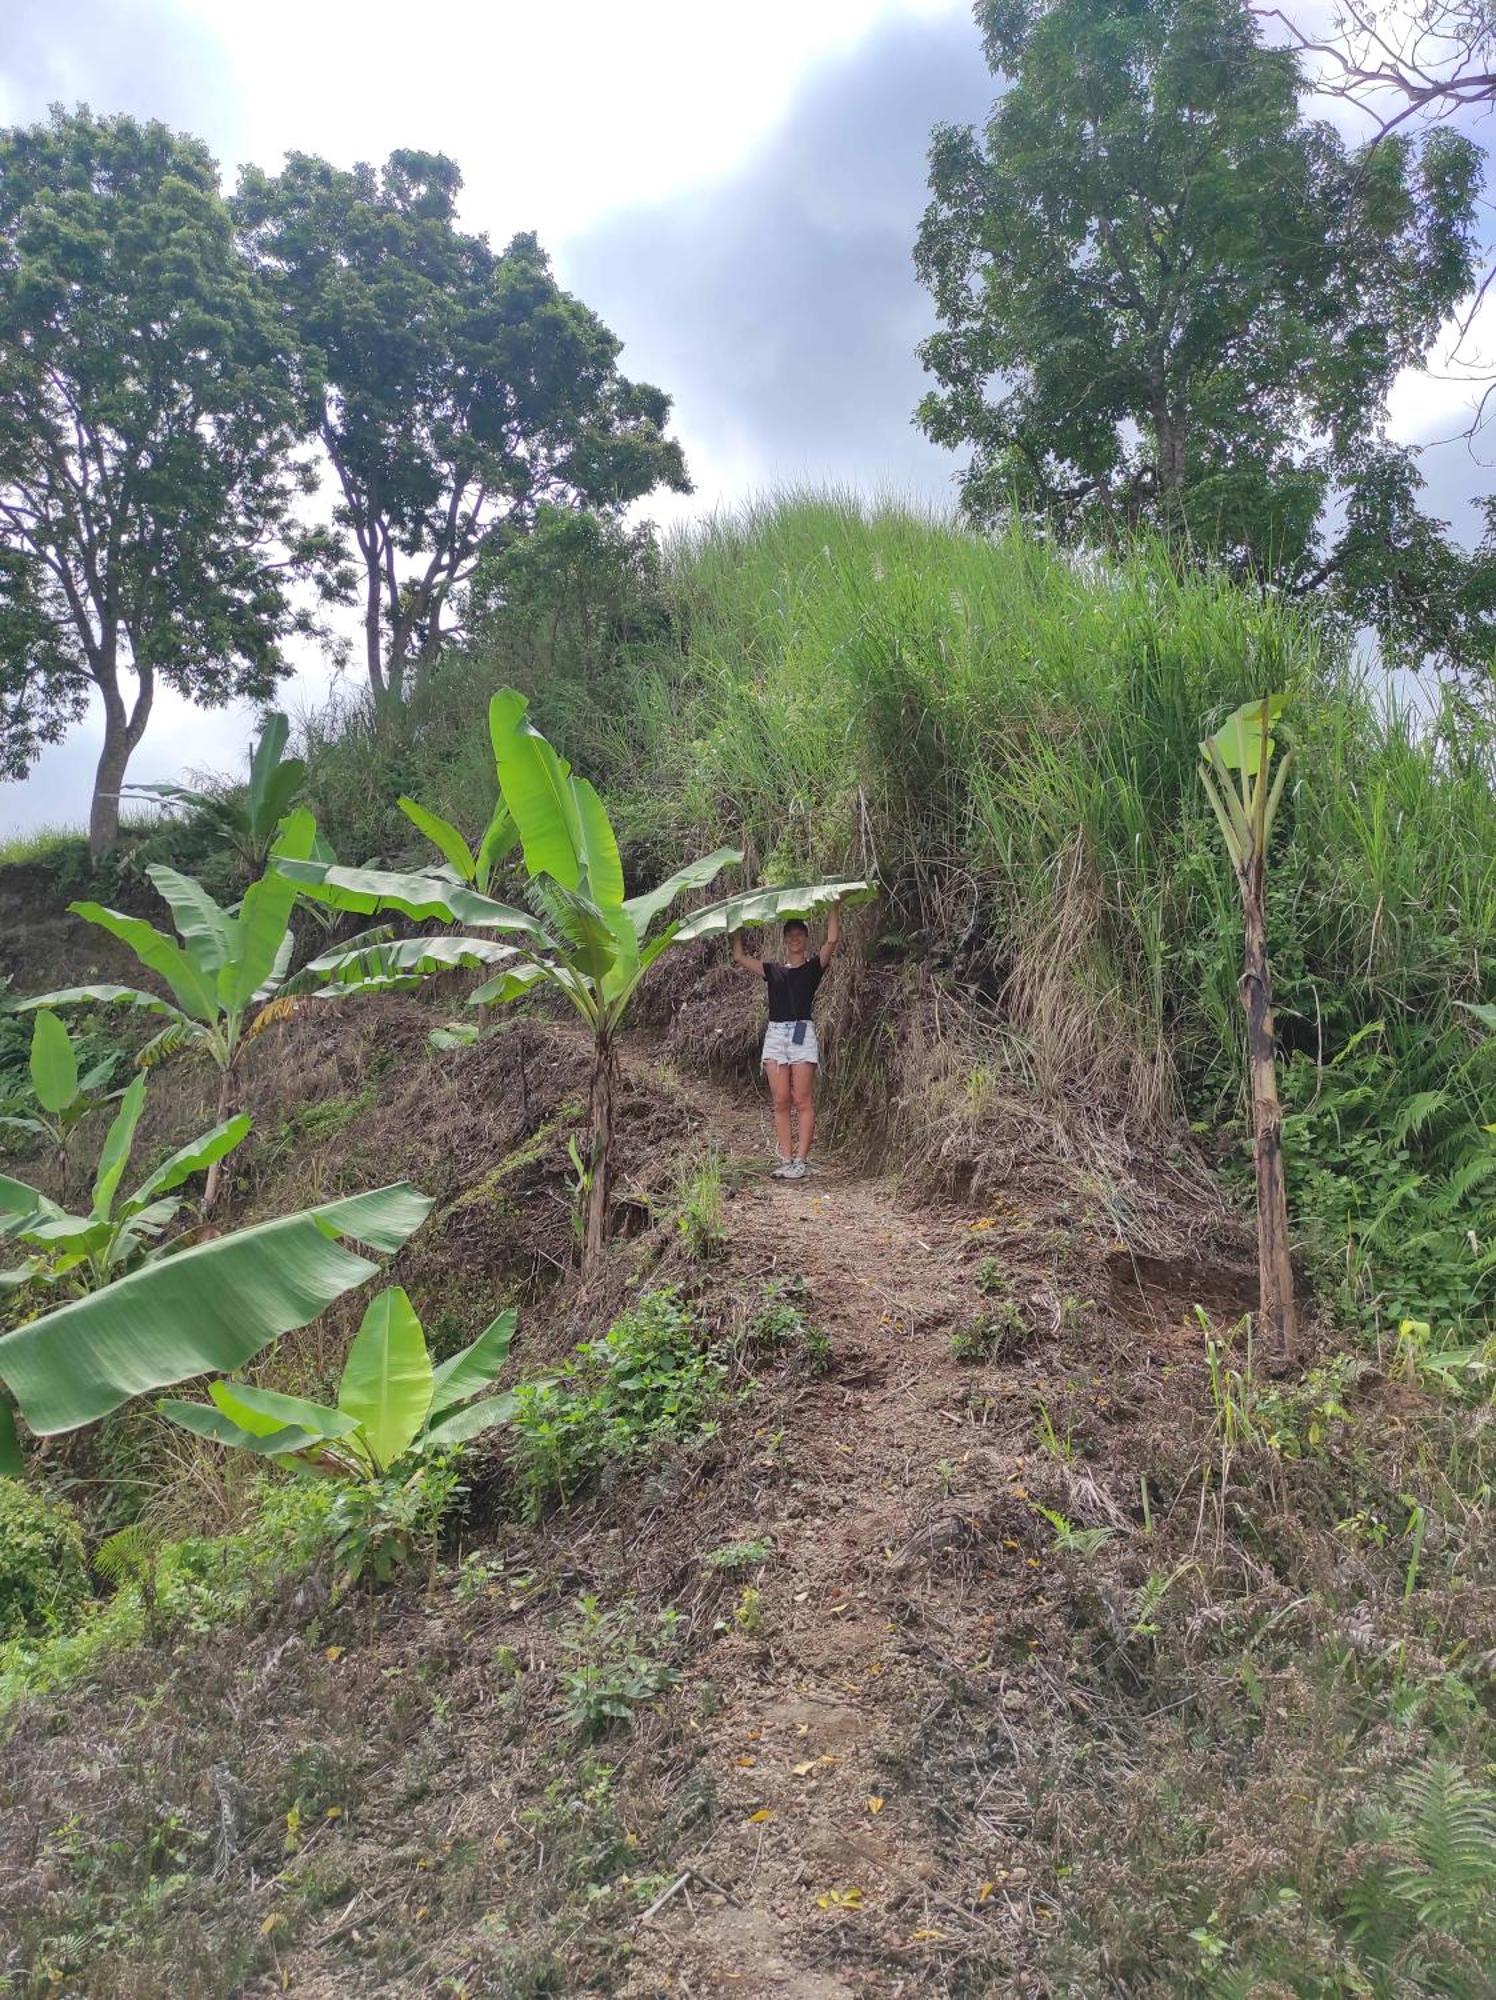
(780, 1045)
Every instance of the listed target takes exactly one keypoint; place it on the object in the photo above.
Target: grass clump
(649, 1383)
(699, 1213)
(996, 1333)
(781, 1330)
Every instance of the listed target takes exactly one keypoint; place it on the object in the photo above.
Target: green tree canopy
(1169, 300)
(456, 389)
(146, 425)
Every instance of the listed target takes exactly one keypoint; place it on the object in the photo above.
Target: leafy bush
(200, 1584)
(43, 1571)
(1392, 1182)
(648, 1383)
(618, 1661)
(378, 1524)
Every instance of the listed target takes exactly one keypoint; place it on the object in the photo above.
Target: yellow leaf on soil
(840, 1899)
(985, 1891)
(333, 1653)
(926, 1937)
(875, 1805)
(757, 1819)
(745, 1763)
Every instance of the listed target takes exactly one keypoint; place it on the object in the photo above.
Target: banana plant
(60, 1097)
(391, 1401)
(1235, 764)
(208, 1309)
(582, 935)
(247, 823)
(229, 973)
(89, 1251)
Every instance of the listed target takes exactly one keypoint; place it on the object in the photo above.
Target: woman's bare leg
(803, 1097)
(780, 1096)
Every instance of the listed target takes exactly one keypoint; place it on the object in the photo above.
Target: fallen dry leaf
(840, 1899)
(757, 1819)
(875, 1805)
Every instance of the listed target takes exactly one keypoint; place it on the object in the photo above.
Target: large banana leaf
(54, 1064)
(204, 928)
(206, 1310)
(99, 995)
(404, 962)
(259, 940)
(193, 990)
(194, 1158)
(373, 889)
(387, 1380)
(1238, 741)
(695, 875)
(770, 906)
(274, 778)
(499, 836)
(539, 792)
(115, 1156)
(458, 1425)
(204, 1421)
(602, 866)
(265, 1410)
(511, 983)
(19, 1199)
(476, 1368)
(442, 835)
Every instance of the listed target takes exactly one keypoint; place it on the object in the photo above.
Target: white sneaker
(795, 1170)
(783, 1171)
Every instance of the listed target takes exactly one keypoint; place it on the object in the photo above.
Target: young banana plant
(582, 935)
(229, 972)
(60, 1098)
(247, 822)
(392, 1403)
(1236, 769)
(85, 1252)
(208, 1309)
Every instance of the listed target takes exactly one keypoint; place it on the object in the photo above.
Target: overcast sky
(735, 190)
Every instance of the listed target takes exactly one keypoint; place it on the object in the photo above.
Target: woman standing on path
(791, 1053)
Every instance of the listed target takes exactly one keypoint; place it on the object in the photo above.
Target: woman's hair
(796, 924)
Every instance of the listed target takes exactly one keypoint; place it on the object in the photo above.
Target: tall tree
(1169, 300)
(146, 423)
(456, 389)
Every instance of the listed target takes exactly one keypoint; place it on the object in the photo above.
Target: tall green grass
(1008, 735)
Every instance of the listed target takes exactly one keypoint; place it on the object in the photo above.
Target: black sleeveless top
(792, 988)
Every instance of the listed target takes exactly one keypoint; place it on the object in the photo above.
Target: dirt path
(820, 1861)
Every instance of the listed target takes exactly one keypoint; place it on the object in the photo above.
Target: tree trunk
(215, 1172)
(1274, 1265)
(373, 635)
(123, 729)
(600, 1112)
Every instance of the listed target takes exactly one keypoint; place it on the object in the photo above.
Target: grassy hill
(910, 1582)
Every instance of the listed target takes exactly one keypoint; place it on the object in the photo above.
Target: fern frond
(126, 1556)
(1415, 1113)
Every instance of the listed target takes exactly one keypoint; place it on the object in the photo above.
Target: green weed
(650, 1383)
